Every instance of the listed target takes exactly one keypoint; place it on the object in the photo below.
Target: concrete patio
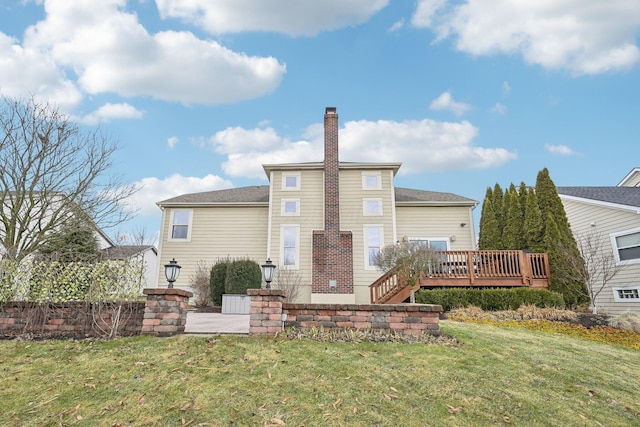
(216, 323)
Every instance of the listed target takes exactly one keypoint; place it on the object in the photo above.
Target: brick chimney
(332, 248)
(331, 173)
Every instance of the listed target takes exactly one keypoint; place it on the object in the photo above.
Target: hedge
(490, 299)
(217, 280)
(242, 274)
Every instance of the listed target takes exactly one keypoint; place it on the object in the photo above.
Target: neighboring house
(146, 254)
(325, 221)
(613, 212)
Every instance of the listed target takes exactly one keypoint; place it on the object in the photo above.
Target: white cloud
(446, 102)
(153, 190)
(172, 142)
(110, 111)
(422, 146)
(583, 36)
(98, 47)
(562, 150)
(294, 18)
(397, 26)
(506, 88)
(499, 108)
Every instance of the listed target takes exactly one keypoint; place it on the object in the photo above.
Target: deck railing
(472, 269)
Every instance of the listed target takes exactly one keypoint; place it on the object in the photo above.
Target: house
(324, 221)
(146, 254)
(613, 213)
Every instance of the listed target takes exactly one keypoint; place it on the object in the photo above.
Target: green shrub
(217, 280)
(490, 299)
(242, 274)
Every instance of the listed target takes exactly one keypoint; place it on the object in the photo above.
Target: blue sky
(200, 93)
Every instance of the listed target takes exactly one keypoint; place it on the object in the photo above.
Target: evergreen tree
(75, 240)
(512, 235)
(489, 235)
(522, 196)
(533, 228)
(496, 202)
(560, 243)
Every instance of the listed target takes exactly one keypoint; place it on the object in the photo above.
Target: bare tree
(288, 281)
(50, 172)
(138, 237)
(596, 266)
(408, 260)
(199, 281)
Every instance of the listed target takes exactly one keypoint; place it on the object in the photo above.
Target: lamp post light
(172, 271)
(268, 268)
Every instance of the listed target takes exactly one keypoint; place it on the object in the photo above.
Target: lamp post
(268, 268)
(172, 271)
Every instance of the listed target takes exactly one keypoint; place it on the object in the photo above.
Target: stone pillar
(266, 311)
(165, 313)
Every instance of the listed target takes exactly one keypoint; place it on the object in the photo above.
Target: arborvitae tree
(512, 235)
(496, 203)
(561, 275)
(489, 236)
(522, 196)
(533, 226)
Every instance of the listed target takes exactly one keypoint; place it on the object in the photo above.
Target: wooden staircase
(390, 289)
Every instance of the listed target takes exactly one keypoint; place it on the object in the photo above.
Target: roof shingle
(629, 196)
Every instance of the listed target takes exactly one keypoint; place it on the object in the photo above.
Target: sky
(465, 94)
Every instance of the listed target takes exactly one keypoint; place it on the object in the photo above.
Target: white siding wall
(606, 221)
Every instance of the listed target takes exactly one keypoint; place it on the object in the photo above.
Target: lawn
(497, 376)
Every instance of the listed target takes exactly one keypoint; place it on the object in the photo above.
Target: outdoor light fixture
(172, 271)
(268, 268)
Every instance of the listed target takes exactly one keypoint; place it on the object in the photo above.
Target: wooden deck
(468, 269)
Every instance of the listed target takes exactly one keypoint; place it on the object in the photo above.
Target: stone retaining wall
(270, 314)
(72, 319)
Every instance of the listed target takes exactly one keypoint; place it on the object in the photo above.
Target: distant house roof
(260, 195)
(126, 251)
(625, 181)
(622, 196)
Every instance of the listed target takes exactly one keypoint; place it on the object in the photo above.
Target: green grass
(498, 376)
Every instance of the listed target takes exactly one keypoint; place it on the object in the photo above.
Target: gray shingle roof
(260, 194)
(125, 251)
(410, 195)
(629, 196)
(254, 194)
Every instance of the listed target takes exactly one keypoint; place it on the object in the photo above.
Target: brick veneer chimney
(332, 248)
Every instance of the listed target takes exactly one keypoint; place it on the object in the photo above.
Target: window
(436, 244)
(290, 247)
(371, 181)
(291, 181)
(373, 245)
(290, 207)
(372, 207)
(181, 225)
(626, 294)
(627, 246)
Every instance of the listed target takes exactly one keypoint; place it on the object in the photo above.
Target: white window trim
(171, 224)
(283, 212)
(286, 175)
(617, 298)
(365, 236)
(296, 265)
(378, 175)
(365, 211)
(614, 245)
(429, 239)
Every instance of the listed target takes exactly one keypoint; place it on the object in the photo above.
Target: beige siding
(437, 222)
(217, 233)
(634, 179)
(311, 218)
(606, 221)
(352, 219)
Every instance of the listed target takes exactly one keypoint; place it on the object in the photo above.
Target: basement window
(626, 294)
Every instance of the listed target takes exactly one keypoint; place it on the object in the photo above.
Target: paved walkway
(216, 323)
